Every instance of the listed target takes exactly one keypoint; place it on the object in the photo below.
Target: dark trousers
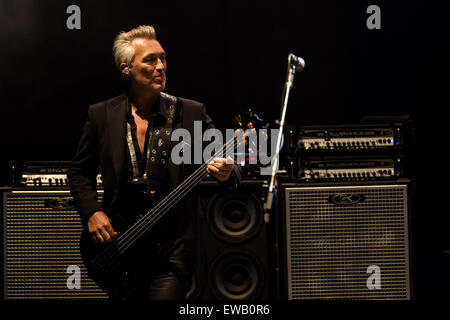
(162, 274)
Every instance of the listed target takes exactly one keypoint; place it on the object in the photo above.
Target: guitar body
(90, 250)
(117, 280)
(97, 256)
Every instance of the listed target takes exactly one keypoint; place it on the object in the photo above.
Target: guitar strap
(157, 150)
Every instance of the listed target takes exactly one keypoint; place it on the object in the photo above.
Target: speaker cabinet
(348, 241)
(233, 242)
(41, 255)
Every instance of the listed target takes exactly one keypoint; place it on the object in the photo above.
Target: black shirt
(158, 118)
(134, 198)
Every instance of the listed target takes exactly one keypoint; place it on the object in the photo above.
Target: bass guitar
(102, 259)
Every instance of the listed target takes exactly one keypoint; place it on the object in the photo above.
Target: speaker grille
(237, 276)
(41, 244)
(233, 262)
(235, 217)
(337, 235)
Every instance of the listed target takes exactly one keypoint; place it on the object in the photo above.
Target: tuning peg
(257, 118)
(237, 120)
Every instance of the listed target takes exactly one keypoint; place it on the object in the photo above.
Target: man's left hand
(220, 168)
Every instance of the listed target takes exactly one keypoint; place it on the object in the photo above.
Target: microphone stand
(294, 64)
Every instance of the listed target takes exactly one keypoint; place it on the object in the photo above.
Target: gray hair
(123, 51)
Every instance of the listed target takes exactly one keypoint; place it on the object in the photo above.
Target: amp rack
(41, 174)
(352, 168)
(343, 138)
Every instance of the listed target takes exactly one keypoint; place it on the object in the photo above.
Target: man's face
(149, 66)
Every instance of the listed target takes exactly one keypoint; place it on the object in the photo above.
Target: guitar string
(193, 179)
(112, 256)
(142, 225)
(154, 215)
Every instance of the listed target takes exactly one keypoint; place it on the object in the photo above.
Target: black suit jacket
(103, 147)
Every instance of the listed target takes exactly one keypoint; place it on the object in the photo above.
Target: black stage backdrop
(232, 55)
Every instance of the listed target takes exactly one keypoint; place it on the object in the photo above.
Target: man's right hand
(100, 228)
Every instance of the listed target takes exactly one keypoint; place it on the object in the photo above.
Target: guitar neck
(167, 203)
(110, 256)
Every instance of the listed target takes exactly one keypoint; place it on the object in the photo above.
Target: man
(121, 138)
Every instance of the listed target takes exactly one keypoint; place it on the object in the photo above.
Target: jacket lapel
(116, 122)
(116, 117)
(173, 170)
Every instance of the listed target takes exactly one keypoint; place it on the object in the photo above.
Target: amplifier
(41, 174)
(348, 241)
(355, 137)
(345, 168)
(41, 234)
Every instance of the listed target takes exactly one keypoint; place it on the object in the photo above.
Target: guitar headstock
(248, 122)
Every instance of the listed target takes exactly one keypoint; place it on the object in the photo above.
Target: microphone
(298, 62)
